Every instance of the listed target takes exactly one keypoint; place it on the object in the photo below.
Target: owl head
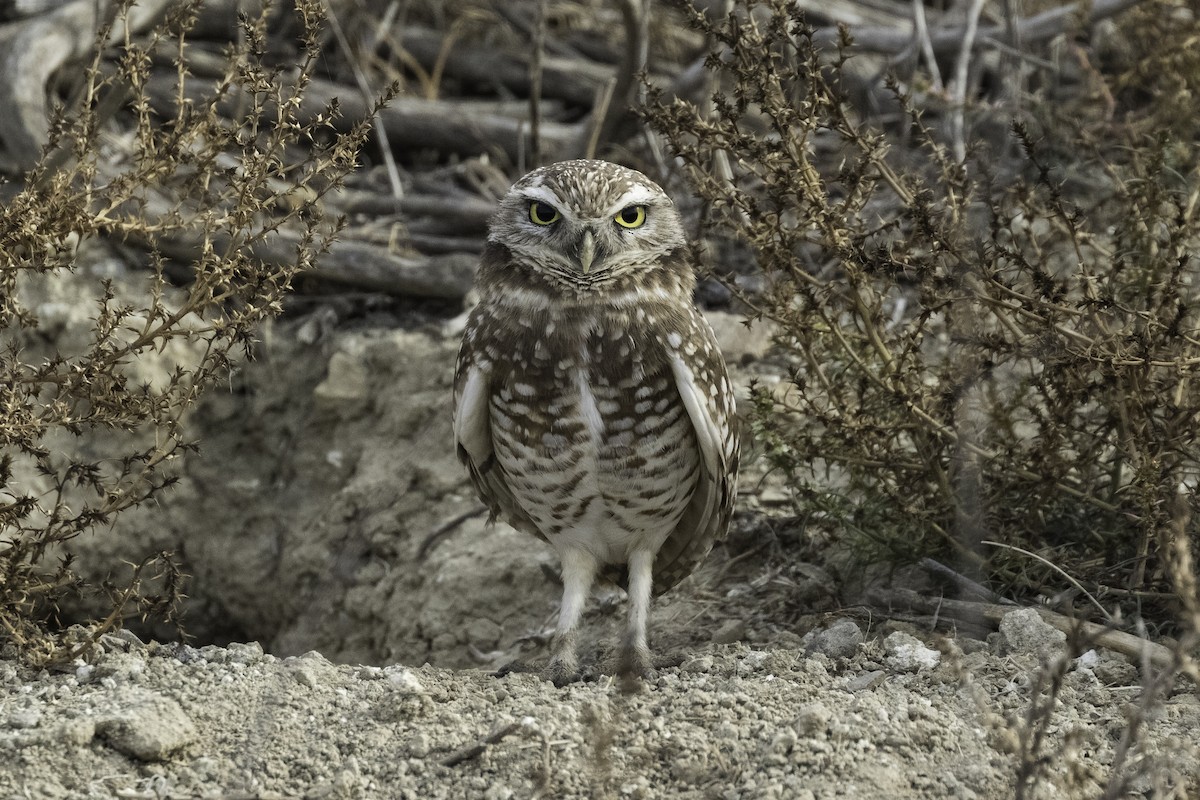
(584, 225)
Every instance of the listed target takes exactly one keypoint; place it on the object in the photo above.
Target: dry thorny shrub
(225, 186)
(995, 360)
(981, 351)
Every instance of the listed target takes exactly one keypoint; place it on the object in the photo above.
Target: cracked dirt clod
(146, 726)
(1024, 631)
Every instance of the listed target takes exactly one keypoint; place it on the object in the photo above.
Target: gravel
(733, 721)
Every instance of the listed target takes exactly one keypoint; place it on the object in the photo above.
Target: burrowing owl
(592, 404)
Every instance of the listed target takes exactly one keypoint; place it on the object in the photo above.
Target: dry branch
(946, 41)
(1125, 643)
(461, 213)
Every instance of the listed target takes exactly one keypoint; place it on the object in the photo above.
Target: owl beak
(587, 252)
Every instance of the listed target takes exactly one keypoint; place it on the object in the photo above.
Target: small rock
(186, 654)
(774, 496)
(697, 665)
(121, 666)
(311, 669)
(146, 726)
(907, 653)
(498, 792)
(812, 719)
(1115, 671)
(754, 660)
(741, 343)
(214, 654)
(404, 679)
(419, 744)
(345, 390)
(346, 784)
(868, 680)
(1024, 631)
(781, 744)
(1087, 660)
(317, 326)
(839, 640)
(25, 718)
(245, 653)
(122, 640)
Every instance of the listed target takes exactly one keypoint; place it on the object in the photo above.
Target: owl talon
(561, 674)
(513, 667)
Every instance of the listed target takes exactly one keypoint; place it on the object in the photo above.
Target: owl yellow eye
(542, 213)
(631, 217)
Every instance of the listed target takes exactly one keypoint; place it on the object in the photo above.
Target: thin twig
(1057, 569)
(535, 86)
(434, 538)
(475, 750)
(963, 582)
(921, 31)
(962, 67)
(601, 111)
(364, 88)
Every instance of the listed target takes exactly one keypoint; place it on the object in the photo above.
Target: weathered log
(354, 263)
(946, 41)
(370, 266)
(18, 9)
(574, 80)
(448, 126)
(434, 244)
(1100, 635)
(460, 213)
(32, 50)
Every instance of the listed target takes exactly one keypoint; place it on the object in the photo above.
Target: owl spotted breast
(592, 404)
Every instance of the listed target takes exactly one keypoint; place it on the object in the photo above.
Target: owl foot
(561, 673)
(635, 663)
(564, 664)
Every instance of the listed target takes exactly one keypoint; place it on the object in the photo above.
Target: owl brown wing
(704, 387)
(473, 440)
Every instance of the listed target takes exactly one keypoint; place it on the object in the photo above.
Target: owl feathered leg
(635, 651)
(578, 572)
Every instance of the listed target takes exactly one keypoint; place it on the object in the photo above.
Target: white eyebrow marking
(543, 194)
(636, 196)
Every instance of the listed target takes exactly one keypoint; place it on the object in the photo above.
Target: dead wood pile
(489, 89)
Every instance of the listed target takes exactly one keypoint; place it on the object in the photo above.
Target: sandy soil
(893, 719)
(326, 514)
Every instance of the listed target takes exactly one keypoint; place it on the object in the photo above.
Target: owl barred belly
(610, 465)
(592, 404)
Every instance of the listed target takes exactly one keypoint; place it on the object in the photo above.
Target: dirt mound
(327, 511)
